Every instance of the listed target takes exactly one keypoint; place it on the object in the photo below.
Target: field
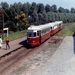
(14, 35)
(68, 30)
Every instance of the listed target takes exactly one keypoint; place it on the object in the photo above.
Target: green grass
(68, 30)
(14, 35)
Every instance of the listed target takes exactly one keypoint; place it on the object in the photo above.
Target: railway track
(8, 60)
(15, 56)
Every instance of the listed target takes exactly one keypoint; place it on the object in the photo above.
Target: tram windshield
(31, 34)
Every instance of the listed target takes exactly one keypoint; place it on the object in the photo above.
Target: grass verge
(68, 30)
(14, 35)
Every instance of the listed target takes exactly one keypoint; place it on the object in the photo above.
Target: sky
(67, 4)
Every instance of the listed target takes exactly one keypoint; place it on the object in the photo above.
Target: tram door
(39, 34)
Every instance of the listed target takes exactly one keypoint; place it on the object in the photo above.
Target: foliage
(19, 16)
(21, 19)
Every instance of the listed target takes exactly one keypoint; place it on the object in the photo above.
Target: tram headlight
(33, 41)
(27, 41)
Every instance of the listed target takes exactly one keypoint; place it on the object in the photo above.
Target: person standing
(7, 44)
(0, 42)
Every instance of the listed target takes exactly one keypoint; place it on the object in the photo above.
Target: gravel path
(61, 63)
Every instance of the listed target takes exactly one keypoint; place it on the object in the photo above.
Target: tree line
(19, 16)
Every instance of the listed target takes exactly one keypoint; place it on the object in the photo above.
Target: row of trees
(19, 16)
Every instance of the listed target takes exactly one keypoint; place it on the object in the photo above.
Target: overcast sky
(63, 3)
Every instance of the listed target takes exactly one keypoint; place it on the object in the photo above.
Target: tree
(47, 8)
(61, 10)
(56, 17)
(21, 20)
(49, 17)
(16, 8)
(9, 14)
(25, 8)
(41, 8)
(72, 10)
(54, 8)
(4, 5)
(44, 18)
(67, 11)
(40, 18)
(33, 8)
(34, 17)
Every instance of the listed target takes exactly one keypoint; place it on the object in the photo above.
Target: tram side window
(48, 29)
(59, 24)
(51, 28)
(43, 32)
(38, 33)
(34, 34)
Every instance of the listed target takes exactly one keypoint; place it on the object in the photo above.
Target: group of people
(7, 43)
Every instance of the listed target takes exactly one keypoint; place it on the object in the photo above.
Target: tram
(38, 34)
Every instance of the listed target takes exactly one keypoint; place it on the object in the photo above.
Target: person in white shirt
(0, 42)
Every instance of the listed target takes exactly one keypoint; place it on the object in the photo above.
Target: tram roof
(55, 23)
(58, 22)
(41, 27)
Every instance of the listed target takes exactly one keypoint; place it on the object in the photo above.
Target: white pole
(7, 33)
(7, 30)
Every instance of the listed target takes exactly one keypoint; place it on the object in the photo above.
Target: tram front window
(31, 34)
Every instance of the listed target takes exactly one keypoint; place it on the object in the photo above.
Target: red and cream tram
(38, 34)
